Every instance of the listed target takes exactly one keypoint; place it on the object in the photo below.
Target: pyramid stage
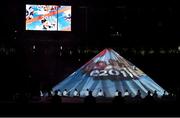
(108, 72)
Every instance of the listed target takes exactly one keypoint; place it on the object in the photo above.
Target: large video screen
(48, 17)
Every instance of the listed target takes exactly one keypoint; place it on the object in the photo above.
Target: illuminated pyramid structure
(109, 72)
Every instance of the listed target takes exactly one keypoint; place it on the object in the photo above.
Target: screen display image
(64, 18)
(48, 17)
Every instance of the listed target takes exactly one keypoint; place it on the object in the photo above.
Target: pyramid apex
(108, 49)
